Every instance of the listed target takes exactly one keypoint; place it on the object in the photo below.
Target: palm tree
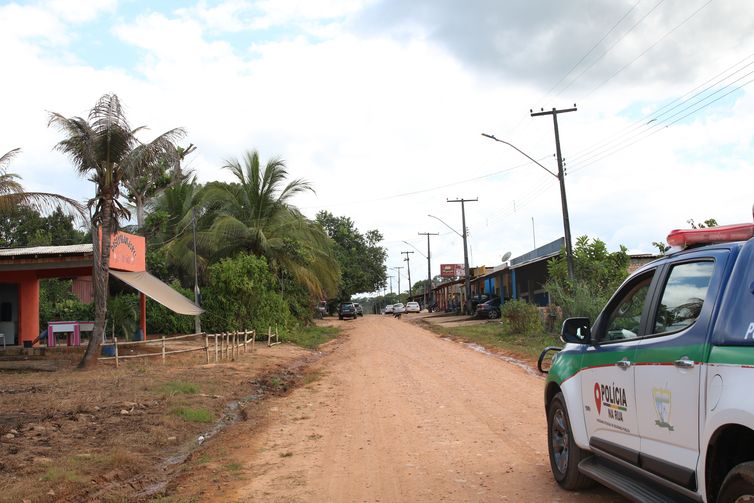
(13, 195)
(146, 169)
(255, 215)
(105, 149)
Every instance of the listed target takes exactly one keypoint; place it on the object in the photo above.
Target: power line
(654, 129)
(610, 48)
(663, 110)
(648, 49)
(592, 49)
(431, 189)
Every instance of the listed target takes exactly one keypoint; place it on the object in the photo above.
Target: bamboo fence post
(235, 345)
(245, 335)
(253, 340)
(269, 336)
(116, 351)
(215, 336)
(225, 342)
(206, 346)
(163, 350)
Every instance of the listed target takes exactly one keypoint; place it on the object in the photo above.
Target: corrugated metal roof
(46, 250)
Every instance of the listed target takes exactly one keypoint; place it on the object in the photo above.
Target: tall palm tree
(105, 149)
(255, 215)
(13, 195)
(146, 169)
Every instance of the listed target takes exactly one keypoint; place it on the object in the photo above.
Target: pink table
(73, 327)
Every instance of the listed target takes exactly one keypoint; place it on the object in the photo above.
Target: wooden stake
(163, 350)
(116, 351)
(206, 346)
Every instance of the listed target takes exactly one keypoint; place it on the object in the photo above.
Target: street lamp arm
(492, 137)
(446, 225)
(415, 248)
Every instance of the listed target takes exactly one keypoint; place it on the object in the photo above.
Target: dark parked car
(478, 299)
(489, 309)
(347, 310)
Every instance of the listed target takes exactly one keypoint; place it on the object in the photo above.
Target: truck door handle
(684, 363)
(623, 364)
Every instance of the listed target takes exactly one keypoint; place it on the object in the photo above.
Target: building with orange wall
(21, 269)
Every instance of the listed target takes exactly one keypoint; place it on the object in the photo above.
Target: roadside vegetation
(254, 259)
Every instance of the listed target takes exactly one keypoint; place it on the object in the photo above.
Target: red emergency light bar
(710, 235)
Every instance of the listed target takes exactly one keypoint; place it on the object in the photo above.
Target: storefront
(21, 270)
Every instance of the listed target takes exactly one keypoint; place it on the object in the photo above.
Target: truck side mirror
(544, 363)
(576, 330)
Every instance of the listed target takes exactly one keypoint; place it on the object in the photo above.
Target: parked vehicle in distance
(347, 310)
(653, 397)
(413, 307)
(322, 309)
(359, 309)
(478, 299)
(489, 309)
(399, 308)
(388, 309)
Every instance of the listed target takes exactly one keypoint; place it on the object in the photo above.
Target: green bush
(579, 299)
(243, 294)
(161, 320)
(122, 315)
(520, 318)
(58, 303)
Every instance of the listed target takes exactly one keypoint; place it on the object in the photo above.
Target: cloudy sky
(381, 105)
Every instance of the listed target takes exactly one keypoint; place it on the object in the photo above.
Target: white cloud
(366, 117)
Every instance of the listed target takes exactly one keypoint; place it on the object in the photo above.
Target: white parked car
(388, 309)
(413, 307)
(399, 308)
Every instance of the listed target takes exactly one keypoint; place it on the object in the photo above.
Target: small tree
(597, 274)
(243, 294)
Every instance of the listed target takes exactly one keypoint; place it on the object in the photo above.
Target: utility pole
(408, 267)
(561, 178)
(428, 290)
(465, 249)
(399, 279)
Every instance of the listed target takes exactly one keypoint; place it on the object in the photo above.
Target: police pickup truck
(655, 398)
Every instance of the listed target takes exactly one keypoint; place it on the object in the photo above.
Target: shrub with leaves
(243, 294)
(58, 303)
(520, 318)
(597, 272)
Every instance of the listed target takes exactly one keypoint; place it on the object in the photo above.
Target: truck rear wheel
(738, 486)
(565, 455)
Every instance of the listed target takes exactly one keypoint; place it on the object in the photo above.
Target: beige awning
(159, 291)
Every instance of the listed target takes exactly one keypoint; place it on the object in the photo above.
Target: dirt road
(397, 414)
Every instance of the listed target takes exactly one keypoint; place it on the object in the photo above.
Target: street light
(561, 178)
(467, 273)
(446, 225)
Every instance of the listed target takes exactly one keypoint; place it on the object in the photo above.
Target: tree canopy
(361, 259)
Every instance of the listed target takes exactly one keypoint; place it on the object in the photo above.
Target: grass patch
(178, 388)
(312, 337)
(234, 467)
(492, 335)
(200, 415)
(311, 377)
(203, 459)
(58, 474)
